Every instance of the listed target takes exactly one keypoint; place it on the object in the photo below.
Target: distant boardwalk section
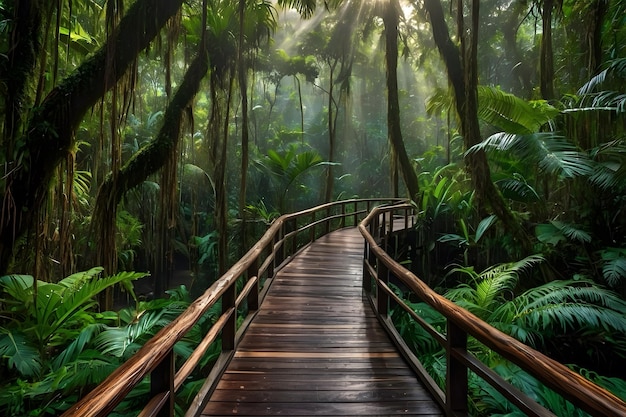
(316, 348)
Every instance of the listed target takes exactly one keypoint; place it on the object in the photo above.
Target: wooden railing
(380, 268)
(254, 271)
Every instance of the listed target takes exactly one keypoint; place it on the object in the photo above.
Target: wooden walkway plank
(316, 348)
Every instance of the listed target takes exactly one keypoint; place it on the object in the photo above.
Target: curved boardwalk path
(316, 348)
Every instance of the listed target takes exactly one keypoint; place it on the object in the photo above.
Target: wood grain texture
(316, 348)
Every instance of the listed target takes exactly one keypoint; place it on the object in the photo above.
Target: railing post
(456, 372)
(407, 210)
(253, 296)
(162, 380)
(278, 252)
(382, 298)
(367, 278)
(294, 242)
(230, 328)
(343, 215)
(356, 216)
(327, 220)
(312, 237)
(374, 229)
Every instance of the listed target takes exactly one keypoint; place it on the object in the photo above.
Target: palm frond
(518, 189)
(610, 169)
(550, 152)
(490, 286)
(20, 354)
(511, 113)
(613, 265)
(439, 102)
(555, 232)
(304, 7)
(74, 349)
(19, 288)
(616, 67)
(571, 304)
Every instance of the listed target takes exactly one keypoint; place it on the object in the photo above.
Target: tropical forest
(146, 145)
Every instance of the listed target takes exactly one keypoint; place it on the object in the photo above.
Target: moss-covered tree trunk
(50, 131)
(19, 65)
(147, 161)
(394, 131)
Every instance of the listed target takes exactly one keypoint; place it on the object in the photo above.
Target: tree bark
(394, 131)
(50, 132)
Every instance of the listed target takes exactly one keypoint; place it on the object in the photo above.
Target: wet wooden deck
(316, 348)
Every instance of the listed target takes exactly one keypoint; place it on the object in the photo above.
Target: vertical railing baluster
(312, 236)
(230, 328)
(327, 220)
(270, 266)
(343, 216)
(406, 218)
(456, 372)
(294, 241)
(356, 216)
(253, 296)
(367, 278)
(278, 252)
(162, 380)
(382, 298)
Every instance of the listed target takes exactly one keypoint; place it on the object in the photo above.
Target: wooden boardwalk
(316, 348)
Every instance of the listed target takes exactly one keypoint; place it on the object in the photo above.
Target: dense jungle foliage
(165, 135)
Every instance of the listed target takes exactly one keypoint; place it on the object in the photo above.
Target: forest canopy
(165, 135)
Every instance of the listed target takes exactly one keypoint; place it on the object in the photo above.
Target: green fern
(613, 265)
(565, 305)
(550, 152)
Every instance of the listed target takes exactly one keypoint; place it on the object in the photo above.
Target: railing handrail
(461, 323)
(156, 356)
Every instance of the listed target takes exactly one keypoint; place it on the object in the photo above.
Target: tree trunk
(24, 45)
(221, 198)
(521, 70)
(332, 132)
(394, 131)
(145, 162)
(462, 73)
(49, 135)
(547, 58)
(594, 35)
(245, 157)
